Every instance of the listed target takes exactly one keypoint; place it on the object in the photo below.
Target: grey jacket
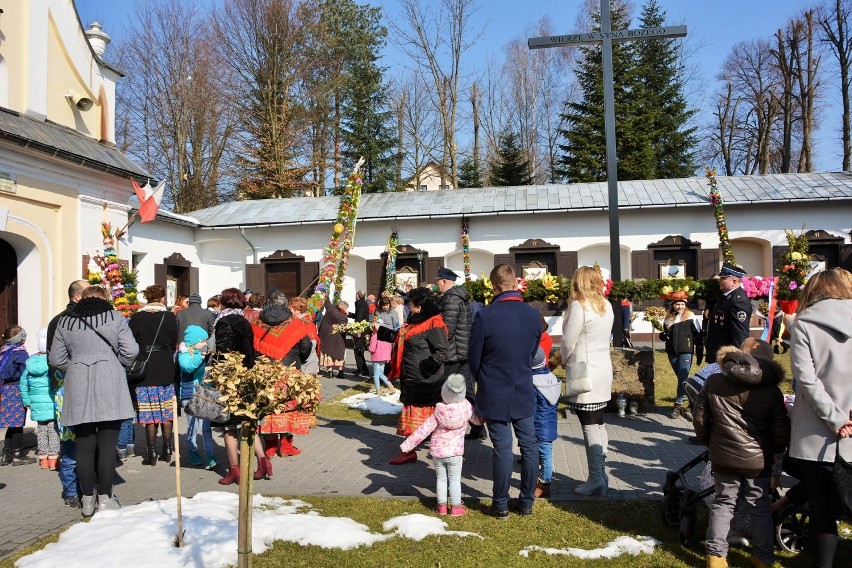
(821, 357)
(95, 380)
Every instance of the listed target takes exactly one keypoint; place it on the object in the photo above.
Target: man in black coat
(504, 338)
(362, 313)
(728, 322)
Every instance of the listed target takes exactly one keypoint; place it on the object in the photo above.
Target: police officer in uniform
(729, 319)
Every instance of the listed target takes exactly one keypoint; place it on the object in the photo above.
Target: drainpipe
(253, 248)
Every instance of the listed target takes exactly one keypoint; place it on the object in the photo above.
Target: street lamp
(420, 263)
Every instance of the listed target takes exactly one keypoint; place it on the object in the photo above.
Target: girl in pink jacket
(447, 426)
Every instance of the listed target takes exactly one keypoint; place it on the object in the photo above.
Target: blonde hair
(587, 288)
(398, 300)
(671, 315)
(829, 284)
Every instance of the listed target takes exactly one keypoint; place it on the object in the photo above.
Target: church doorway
(8, 286)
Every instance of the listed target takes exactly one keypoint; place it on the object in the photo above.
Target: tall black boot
(7, 456)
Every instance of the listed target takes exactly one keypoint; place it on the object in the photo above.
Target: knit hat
(195, 298)
(42, 340)
(539, 360)
(453, 390)
(194, 334)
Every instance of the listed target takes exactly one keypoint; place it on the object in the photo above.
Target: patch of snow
(417, 527)
(374, 404)
(145, 531)
(619, 546)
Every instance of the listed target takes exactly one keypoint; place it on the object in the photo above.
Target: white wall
(157, 241)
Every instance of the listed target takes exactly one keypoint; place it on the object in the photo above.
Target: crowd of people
(461, 370)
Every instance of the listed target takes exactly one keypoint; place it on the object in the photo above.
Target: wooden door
(285, 276)
(8, 286)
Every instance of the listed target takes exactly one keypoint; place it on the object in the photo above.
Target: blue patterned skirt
(154, 404)
(12, 411)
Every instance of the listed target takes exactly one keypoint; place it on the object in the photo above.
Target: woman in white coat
(821, 356)
(586, 335)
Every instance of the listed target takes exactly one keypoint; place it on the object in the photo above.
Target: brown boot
(542, 489)
(716, 561)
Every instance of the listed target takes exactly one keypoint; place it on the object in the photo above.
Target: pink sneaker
(458, 511)
(441, 509)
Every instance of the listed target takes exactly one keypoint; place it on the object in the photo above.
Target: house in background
(431, 177)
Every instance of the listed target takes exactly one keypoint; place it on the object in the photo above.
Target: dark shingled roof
(66, 143)
(532, 199)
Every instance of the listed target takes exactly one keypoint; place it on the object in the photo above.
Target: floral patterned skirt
(330, 362)
(411, 418)
(295, 422)
(154, 404)
(12, 411)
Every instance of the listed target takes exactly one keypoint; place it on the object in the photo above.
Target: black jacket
(234, 334)
(728, 323)
(740, 414)
(161, 366)
(683, 338)
(455, 309)
(362, 310)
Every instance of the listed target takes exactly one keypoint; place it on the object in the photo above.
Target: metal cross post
(605, 37)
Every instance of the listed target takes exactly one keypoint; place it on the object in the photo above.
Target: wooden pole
(179, 536)
(247, 431)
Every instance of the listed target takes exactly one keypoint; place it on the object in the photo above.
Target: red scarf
(409, 330)
(276, 341)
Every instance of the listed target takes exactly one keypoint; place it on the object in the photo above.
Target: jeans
(545, 461)
(756, 493)
(193, 424)
(379, 374)
(68, 468)
(127, 435)
(681, 364)
(503, 458)
(448, 472)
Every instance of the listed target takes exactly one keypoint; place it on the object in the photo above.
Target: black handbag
(842, 479)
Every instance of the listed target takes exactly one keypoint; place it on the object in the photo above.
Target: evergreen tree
(469, 173)
(664, 106)
(367, 128)
(510, 166)
(584, 151)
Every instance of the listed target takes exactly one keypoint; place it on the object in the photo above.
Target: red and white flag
(151, 204)
(140, 191)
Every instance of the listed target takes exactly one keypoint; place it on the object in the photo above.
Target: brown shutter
(375, 276)
(310, 271)
(641, 264)
(254, 278)
(708, 263)
(193, 279)
(160, 274)
(567, 263)
(432, 266)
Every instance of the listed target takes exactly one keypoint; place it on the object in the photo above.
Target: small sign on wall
(7, 182)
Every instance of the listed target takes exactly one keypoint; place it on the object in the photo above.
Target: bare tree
(177, 120)
(807, 64)
(436, 39)
(834, 18)
(420, 125)
(786, 46)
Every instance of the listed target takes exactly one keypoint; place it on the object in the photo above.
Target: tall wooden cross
(605, 37)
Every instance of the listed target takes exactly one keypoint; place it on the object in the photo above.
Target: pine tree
(584, 151)
(664, 106)
(510, 166)
(469, 173)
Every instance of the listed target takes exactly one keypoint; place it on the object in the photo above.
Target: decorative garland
(390, 270)
(106, 270)
(719, 213)
(465, 243)
(336, 256)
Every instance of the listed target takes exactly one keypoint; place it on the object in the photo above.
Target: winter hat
(453, 390)
(194, 334)
(195, 298)
(539, 360)
(42, 340)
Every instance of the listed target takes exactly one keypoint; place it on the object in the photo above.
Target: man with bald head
(75, 290)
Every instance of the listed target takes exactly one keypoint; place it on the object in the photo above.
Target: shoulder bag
(842, 480)
(577, 380)
(205, 405)
(137, 371)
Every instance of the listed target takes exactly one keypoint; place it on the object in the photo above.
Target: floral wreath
(106, 270)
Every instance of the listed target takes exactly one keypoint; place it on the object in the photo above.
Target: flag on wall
(151, 204)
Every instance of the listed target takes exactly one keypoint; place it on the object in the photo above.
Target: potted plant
(792, 272)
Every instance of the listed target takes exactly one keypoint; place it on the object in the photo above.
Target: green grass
(333, 410)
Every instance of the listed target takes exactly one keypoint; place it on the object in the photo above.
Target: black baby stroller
(681, 501)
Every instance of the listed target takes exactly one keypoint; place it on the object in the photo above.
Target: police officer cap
(733, 270)
(447, 274)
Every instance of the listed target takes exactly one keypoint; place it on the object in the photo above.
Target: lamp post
(420, 267)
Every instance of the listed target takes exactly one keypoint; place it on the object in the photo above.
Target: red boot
(403, 457)
(264, 469)
(233, 476)
(287, 448)
(271, 442)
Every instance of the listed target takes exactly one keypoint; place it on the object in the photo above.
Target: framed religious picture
(534, 270)
(817, 264)
(406, 275)
(668, 271)
(171, 290)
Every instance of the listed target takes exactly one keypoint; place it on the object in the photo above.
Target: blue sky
(714, 27)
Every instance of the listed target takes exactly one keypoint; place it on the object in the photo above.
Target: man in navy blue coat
(504, 338)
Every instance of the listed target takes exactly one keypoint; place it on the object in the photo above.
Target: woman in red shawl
(420, 348)
(279, 335)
